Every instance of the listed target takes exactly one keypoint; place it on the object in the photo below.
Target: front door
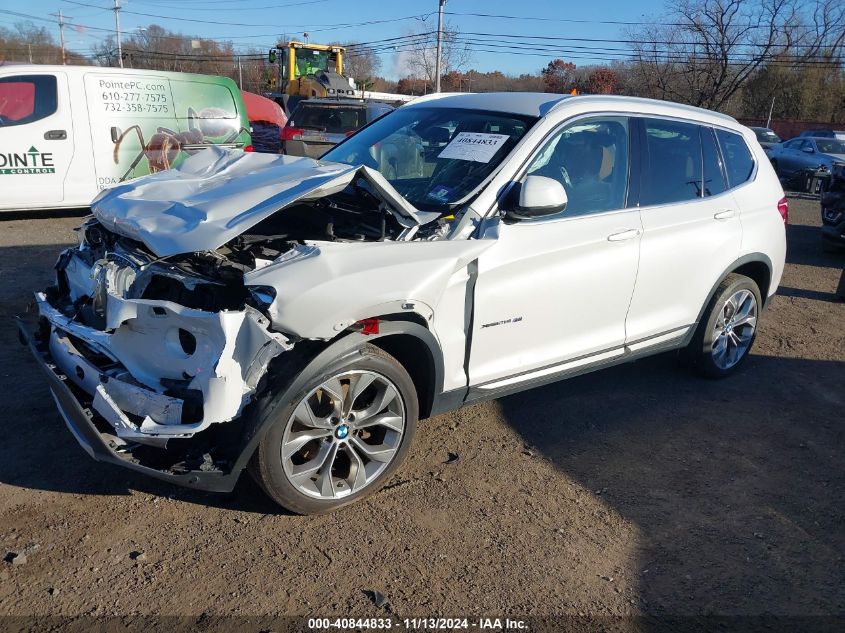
(554, 292)
(36, 140)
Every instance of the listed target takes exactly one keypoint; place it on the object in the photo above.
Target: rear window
(831, 146)
(331, 119)
(674, 170)
(766, 136)
(206, 107)
(739, 163)
(27, 98)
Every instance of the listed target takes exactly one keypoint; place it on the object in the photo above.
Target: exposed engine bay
(186, 286)
(164, 346)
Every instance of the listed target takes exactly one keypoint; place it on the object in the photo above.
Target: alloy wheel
(734, 329)
(343, 434)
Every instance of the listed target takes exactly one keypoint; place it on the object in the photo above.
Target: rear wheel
(341, 439)
(727, 331)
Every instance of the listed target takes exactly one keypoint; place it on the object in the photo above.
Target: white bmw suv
(298, 317)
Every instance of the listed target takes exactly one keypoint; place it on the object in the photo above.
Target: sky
(259, 23)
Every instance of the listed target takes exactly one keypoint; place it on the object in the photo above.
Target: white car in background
(299, 316)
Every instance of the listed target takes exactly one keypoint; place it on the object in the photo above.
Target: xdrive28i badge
(30, 162)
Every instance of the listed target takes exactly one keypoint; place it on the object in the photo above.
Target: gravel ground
(636, 490)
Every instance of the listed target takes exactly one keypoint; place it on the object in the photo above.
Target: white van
(66, 132)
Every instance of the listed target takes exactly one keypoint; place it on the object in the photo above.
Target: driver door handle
(55, 135)
(724, 215)
(624, 235)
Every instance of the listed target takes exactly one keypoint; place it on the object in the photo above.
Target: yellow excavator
(306, 71)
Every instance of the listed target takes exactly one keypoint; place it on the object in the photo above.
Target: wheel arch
(760, 270)
(756, 266)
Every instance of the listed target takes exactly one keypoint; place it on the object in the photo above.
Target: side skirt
(658, 344)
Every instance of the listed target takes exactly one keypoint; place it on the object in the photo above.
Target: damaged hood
(217, 194)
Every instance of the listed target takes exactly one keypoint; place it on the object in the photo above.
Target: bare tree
(362, 63)
(29, 43)
(156, 48)
(420, 51)
(713, 47)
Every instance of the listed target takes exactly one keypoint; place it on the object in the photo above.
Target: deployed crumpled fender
(324, 287)
(217, 194)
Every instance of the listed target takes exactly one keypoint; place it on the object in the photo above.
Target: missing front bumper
(212, 475)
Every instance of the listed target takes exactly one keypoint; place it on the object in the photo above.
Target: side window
(590, 159)
(739, 164)
(714, 178)
(27, 98)
(673, 170)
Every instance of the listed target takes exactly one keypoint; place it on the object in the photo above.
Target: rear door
(691, 229)
(36, 139)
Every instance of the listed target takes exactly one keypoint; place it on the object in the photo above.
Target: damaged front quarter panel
(323, 288)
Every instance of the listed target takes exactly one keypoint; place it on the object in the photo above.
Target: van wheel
(341, 438)
(728, 328)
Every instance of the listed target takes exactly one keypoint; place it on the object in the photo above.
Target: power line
(608, 22)
(198, 21)
(228, 2)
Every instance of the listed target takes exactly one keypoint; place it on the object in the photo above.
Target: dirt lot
(638, 490)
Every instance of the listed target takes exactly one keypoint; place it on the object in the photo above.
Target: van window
(673, 170)
(590, 159)
(739, 164)
(27, 98)
(207, 110)
(714, 178)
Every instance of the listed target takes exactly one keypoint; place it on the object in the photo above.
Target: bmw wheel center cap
(342, 431)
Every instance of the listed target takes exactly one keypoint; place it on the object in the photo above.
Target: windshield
(310, 62)
(434, 156)
(830, 146)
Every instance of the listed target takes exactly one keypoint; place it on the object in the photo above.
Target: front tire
(342, 437)
(726, 333)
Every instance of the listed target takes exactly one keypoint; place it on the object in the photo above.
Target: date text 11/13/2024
(419, 624)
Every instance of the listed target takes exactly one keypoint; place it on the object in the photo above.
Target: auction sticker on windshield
(475, 146)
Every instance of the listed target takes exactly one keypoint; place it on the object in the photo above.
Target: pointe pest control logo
(30, 162)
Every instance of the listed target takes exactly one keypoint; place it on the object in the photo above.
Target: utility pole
(439, 46)
(62, 34)
(117, 30)
(771, 109)
(240, 74)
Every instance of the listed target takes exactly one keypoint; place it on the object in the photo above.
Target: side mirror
(539, 196)
(115, 134)
(809, 150)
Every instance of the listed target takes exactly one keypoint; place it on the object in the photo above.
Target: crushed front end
(147, 357)
(187, 284)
